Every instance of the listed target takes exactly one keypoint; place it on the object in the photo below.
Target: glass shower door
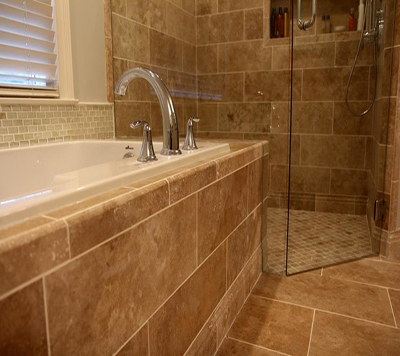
(339, 116)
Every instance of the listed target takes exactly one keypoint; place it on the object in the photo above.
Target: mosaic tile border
(26, 125)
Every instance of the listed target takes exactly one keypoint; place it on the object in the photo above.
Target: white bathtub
(41, 178)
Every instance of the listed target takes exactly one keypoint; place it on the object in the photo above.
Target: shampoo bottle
(286, 22)
(279, 24)
(352, 20)
(360, 16)
(273, 23)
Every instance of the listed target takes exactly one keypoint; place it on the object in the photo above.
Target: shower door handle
(305, 25)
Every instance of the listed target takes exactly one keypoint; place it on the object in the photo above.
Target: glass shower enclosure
(326, 197)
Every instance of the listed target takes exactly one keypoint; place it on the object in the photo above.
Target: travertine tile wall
(244, 92)
(160, 35)
(24, 125)
(85, 279)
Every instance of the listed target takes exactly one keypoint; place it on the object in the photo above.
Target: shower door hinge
(380, 210)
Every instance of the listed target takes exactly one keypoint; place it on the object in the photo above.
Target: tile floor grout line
(363, 283)
(391, 307)
(325, 311)
(258, 346)
(311, 332)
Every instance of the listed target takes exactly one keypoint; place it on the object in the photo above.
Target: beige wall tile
(180, 24)
(244, 56)
(23, 226)
(258, 86)
(312, 55)
(254, 24)
(130, 40)
(102, 222)
(220, 28)
(22, 322)
(333, 151)
(349, 182)
(109, 70)
(189, 6)
(280, 119)
(309, 179)
(207, 59)
(87, 203)
(242, 244)
(236, 160)
(206, 7)
(173, 327)
(192, 180)
(245, 117)
(312, 118)
(165, 51)
(189, 58)
(220, 88)
(278, 178)
(208, 114)
(119, 6)
(347, 124)
(330, 83)
(151, 13)
(31, 254)
(95, 291)
(346, 52)
(231, 5)
(278, 148)
(222, 206)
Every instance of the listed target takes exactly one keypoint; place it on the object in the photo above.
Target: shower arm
(305, 25)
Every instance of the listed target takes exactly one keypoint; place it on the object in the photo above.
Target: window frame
(64, 63)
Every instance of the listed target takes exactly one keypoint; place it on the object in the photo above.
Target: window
(28, 56)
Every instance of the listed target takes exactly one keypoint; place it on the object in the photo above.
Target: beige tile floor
(315, 239)
(347, 310)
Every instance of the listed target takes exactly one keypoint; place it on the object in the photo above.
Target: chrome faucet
(170, 121)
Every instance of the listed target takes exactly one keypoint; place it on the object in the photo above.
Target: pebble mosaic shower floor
(315, 239)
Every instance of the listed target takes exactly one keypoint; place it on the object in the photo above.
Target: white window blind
(28, 58)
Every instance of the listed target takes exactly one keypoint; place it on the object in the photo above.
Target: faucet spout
(170, 120)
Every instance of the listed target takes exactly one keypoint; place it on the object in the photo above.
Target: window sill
(37, 101)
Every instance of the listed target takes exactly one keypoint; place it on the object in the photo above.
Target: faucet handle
(190, 142)
(147, 153)
(193, 118)
(138, 123)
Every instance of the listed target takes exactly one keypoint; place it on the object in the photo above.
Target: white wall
(88, 50)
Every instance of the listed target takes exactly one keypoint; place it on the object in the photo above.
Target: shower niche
(333, 16)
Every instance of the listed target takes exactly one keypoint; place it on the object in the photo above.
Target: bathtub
(41, 178)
